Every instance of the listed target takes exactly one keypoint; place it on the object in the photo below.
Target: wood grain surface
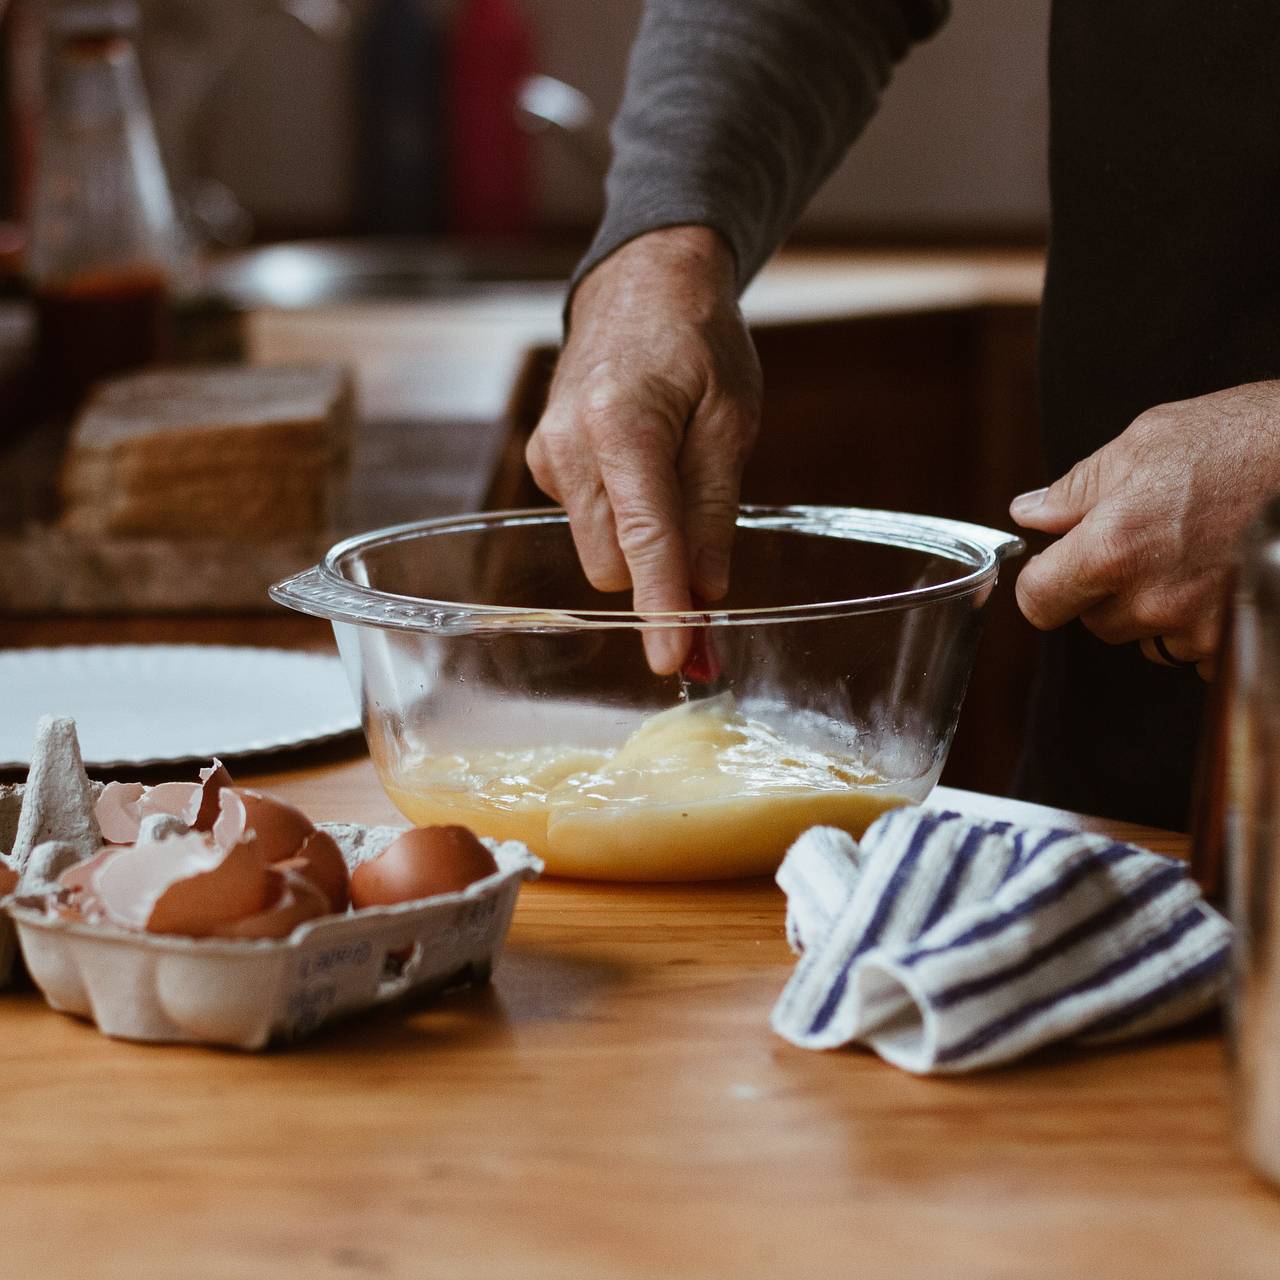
(613, 1107)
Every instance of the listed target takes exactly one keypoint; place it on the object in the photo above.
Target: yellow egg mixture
(698, 792)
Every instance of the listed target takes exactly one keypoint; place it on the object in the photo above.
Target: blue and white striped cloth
(947, 944)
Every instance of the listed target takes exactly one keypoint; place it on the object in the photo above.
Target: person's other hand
(652, 412)
(1150, 524)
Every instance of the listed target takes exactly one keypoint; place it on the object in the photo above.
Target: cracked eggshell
(157, 826)
(123, 807)
(212, 780)
(321, 861)
(117, 811)
(294, 898)
(272, 829)
(48, 862)
(183, 884)
(282, 835)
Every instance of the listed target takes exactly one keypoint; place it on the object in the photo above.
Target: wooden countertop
(613, 1107)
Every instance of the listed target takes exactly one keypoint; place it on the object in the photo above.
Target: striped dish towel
(948, 944)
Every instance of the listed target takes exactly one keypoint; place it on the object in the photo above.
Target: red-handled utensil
(702, 675)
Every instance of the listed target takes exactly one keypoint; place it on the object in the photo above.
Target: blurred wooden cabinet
(932, 412)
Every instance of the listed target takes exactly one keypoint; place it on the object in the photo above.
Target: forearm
(736, 110)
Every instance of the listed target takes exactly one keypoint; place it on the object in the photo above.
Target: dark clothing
(1164, 264)
(736, 110)
(1163, 283)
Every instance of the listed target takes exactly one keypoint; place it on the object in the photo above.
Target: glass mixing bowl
(499, 690)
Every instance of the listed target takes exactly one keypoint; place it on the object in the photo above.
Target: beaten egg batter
(698, 792)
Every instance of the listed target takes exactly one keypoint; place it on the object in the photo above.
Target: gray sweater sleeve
(736, 110)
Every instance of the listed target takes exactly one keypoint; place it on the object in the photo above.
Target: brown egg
(420, 864)
(294, 899)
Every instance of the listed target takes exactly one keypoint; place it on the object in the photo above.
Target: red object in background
(490, 170)
(20, 77)
(98, 324)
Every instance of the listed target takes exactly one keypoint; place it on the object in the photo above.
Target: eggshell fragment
(76, 898)
(273, 829)
(183, 884)
(156, 826)
(8, 878)
(123, 806)
(321, 861)
(212, 781)
(294, 898)
(181, 799)
(420, 864)
(117, 811)
(79, 878)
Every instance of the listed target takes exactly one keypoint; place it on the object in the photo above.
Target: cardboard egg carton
(54, 804)
(247, 994)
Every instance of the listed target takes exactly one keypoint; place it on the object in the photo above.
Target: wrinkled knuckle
(1153, 420)
(604, 398)
(1152, 614)
(641, 533)
(1079, 485)
(729, 430)
(715, 506)
(556, 423)
(547, 464)
(1114, 552)
(536, 456)
(746, 385)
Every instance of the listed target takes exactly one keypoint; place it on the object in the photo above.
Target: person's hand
(1151, 524)
(652, 413)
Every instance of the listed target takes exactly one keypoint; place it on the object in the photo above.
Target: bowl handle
(1004, 546)
(316, 593)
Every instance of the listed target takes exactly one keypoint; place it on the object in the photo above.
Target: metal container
(1249, 823)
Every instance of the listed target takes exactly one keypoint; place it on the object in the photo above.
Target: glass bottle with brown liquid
(106, 248)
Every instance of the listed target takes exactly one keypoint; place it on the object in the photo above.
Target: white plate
(137, 704)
